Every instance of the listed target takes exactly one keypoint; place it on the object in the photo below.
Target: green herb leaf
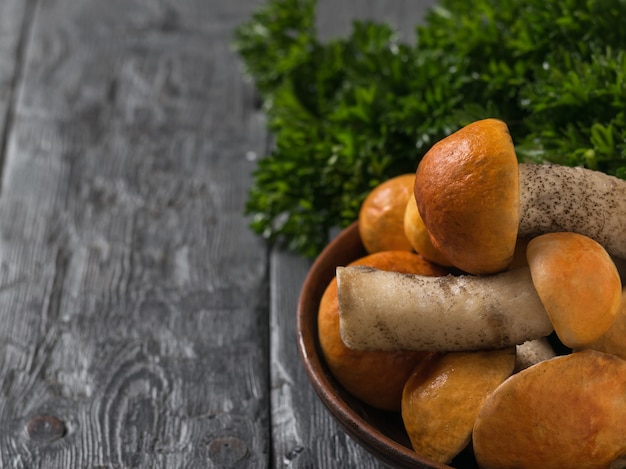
(350, 113)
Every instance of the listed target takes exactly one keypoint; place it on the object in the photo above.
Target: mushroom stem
(382, 310)
(556, 198)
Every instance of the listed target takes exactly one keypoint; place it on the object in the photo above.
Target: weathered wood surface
(141, 323)
(304, 434)
(12, 36)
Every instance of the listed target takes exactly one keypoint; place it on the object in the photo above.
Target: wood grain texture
(142, 324)
(14, 27)
(335, 18)
(133, 298)
(304, 434)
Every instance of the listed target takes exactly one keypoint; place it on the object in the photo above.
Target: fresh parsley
(349, 113)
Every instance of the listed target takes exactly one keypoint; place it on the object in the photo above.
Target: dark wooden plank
(133, 298)
(304, 433)
(335, 18)
(13, 29)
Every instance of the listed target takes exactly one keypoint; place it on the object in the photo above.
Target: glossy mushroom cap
(467, 192)
(614, 340)
(418, 236)
(578, 284)
(381, 216)
(444, 394)
(565, 412)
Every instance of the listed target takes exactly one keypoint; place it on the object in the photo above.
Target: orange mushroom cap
(578, 284)
(417, 234)
(467, 192)
(566, 412)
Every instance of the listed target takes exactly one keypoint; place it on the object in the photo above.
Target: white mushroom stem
(382, 310)
(558, 198)
(532, 352)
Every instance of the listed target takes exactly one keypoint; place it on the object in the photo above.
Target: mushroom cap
(444, 394)
(565, 412)
(418, 235)
(381, 215)
(578, 284)
(467, 191)
(614, 339)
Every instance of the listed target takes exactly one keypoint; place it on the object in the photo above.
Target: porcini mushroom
(578, 284)
(565, 412)
(570, 284)
(393, 311)
(443, 395)
(476, 200)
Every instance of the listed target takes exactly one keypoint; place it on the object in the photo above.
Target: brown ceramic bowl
(381, 433)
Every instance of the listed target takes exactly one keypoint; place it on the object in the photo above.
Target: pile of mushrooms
(478, 205)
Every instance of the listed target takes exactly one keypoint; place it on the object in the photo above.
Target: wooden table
(142, 324)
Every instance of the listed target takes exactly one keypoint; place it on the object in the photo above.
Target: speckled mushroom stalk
(381, 310)
(556, 198)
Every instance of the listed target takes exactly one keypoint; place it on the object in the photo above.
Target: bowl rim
(370, 438)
